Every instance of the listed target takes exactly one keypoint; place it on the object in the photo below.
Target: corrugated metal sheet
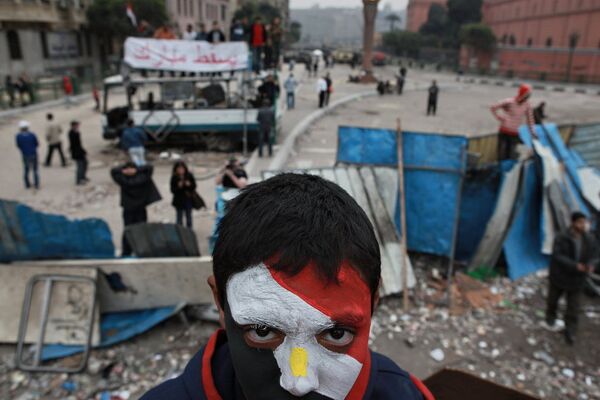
(586, 141)
(373, 189)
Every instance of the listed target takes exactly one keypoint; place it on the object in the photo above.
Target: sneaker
(569, 337)
(556, 326)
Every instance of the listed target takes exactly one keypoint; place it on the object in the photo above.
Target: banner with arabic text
(187, 56)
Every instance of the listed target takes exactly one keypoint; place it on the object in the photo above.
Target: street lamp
(573, 39)
(369, 15)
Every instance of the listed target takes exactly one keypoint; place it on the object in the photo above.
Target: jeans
(81, 171)
(571, 315)
(431, 107)
(264, 136)
(30, 163)
(257, 59)
(132, 216)
(187, 211)
(507, 145)
(51, 149)
(138, 155)
(291, 100)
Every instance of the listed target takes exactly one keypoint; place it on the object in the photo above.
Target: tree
(392, 19)
(462, 12)
(369, 15)
(294, 34)
(478, 36)
(404, 43)
(437, 21)
(251, 10)
(108, 18)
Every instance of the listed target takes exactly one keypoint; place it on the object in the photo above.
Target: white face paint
(255, 298)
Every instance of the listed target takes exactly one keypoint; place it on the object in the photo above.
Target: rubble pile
(493, 330)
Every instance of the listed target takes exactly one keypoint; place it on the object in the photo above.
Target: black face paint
(256, 369)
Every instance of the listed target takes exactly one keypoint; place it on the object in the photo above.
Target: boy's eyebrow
(350, 318)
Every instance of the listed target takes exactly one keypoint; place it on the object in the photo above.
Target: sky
(396, 4)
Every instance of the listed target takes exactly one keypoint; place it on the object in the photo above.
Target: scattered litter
(438, 355)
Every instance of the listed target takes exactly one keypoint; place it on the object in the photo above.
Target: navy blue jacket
(27, 142)
(387, 380)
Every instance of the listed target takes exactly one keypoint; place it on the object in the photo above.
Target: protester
(237, 32)
(539, 113)
(133, 140)
(268, 49)
(78, 154)
(296, 275)
(145, 30)
(216, 35)
(381, 88)
(258, 39)
(575, 255)
(202, 33)
(27, 142)
(53, 137)
(329, 88)
(269, 90)
(68, 89)
(322, 91)
(276, 38)
(25, 88)
(514, 111)
(9, 86)
(165, 32)
(190, 33)
(266, 123)
(96, 96)
(232, 176)
(183, 188)
(432, 98)
(290, 86)
(137, 192)
(400, 80)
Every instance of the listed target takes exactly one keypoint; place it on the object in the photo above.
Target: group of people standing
(22, 86)
(264, 39)
(28, 144)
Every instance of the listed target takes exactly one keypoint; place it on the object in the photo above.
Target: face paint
(316, 332)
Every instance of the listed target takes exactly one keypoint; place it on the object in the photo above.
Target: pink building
(544, 39)
(184, 12)
(417, 12)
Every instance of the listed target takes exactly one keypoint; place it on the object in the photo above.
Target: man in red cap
(514, 111)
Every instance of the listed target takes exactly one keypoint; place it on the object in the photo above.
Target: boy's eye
(336, 338)
(262, 336)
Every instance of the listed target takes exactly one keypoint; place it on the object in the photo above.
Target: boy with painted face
(296, 274)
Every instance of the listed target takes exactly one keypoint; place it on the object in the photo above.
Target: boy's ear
(215, 290)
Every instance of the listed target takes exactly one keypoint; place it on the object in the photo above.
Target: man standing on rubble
(574, 257)
(514, 112)
(138, 191)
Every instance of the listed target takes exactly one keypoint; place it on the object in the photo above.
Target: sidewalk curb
(288, 144)
(41, 106)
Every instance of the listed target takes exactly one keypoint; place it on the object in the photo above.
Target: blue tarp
(26, 234)
(116, 328)
(433, 167)
(522, 247)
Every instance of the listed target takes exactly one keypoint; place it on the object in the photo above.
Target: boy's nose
(302, 378)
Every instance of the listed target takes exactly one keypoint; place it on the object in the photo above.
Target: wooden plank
(387, 184)
(328, 173)
(387, 276)
(147, 283)
(590, 186)
(490, 246)
(70, 305)
(389, 235)
(342, 179)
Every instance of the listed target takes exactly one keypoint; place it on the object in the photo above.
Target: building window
(200, 10)
(44, 41)
(504, 39)
(178, 7)
(79, 43)
(88, 43)
(191, 8)
(549, 42)
(512, 41)
(223, 13)
(529, 42)
(14, 45)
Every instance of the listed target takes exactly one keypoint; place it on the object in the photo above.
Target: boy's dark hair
(577, 215)
(299, 218)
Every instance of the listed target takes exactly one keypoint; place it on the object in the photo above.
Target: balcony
(44, 11)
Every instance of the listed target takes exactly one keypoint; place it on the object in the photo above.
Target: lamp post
(573, 39)
(369, 15)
